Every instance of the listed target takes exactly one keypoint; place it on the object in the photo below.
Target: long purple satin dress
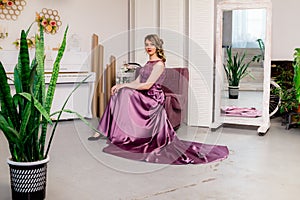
(136, 126)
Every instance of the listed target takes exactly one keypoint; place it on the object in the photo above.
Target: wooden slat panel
(100, 79)
(108, 82)
(94, 64)
(94, 60)
(113, 70)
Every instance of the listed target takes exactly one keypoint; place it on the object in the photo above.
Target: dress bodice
(146, 71)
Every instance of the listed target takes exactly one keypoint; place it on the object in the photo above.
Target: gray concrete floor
(257, 168)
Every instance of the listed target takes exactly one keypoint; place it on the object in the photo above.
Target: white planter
(28, 179)
(233, 92)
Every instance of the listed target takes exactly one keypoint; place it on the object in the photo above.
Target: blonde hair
(158, 44)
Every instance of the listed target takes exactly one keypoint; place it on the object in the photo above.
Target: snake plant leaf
(33, 141)
(40, 91)
(52, 86)
(32, 78)
(25, 119)
(17, 81)
(37, 105)
(10, 133)
(10, 122)
(59, 114)
(27, 31)
(12, 136)
(34, 62)
(32, 136)
(40, 51)
(39, 55)
(23, 62)
(54, 76)
(79, 116)
(18, 87)
(7, 104)
(40, 85)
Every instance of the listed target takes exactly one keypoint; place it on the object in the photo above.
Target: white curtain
(248, 26)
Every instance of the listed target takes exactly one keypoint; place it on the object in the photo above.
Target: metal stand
(289, 122)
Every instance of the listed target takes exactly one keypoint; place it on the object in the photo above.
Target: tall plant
(25, 115)
(260, 56)
(235, 67)
(296, 65)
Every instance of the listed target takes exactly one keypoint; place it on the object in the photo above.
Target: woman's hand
(115, 89)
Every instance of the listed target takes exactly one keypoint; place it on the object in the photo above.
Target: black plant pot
(233, 92)
(28, 179)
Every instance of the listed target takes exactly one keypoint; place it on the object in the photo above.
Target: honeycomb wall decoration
(12, 12)
(50, 20)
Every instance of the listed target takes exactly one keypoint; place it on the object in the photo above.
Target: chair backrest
(176, 80)
(135, 64)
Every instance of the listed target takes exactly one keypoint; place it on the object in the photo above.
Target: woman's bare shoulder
(159, 64)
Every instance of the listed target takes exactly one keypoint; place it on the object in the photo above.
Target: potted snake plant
(25, 116)
(235, 70)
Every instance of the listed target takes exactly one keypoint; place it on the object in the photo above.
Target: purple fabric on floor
(136, 125)
(241, 112)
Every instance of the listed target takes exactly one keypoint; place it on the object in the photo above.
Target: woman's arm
(158, 69)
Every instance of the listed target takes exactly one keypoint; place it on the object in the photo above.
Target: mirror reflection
(243, 55)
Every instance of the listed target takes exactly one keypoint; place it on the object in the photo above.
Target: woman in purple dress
(136, 124)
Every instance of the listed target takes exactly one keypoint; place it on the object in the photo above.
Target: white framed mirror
(245, 27)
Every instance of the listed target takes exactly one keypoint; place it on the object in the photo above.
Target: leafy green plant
(288, 101)
(284, 77)
(25, 115)
(287, 93)
(296, 65)
(260, 56)
(235, 67)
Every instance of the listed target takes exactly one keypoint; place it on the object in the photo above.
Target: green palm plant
(25, 115)
(235, 67)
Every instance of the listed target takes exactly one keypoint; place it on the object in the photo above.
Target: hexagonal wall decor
(11, 9)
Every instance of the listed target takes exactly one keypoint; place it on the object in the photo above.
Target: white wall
(144, 19)
(107, 18)
(102, 17)
(285, 29)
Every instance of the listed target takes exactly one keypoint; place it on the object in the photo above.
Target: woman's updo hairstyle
(158, 43)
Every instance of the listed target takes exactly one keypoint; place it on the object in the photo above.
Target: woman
(136, 124)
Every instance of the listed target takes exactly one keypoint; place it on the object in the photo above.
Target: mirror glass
(243, 31)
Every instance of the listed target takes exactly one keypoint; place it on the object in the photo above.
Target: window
(248, 26)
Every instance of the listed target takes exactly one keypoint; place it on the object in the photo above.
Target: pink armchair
(175, 87)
